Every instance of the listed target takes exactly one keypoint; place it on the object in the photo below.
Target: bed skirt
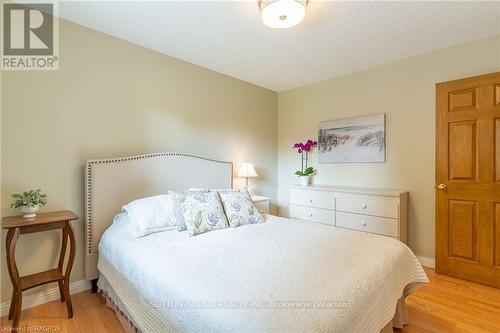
(138, 316)
(124, 320)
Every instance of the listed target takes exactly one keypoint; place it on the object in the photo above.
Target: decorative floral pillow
(202, 211)
(239, 208)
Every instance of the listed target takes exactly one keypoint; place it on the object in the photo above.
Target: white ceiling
(335, 38)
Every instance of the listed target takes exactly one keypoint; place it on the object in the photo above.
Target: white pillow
(152, 214)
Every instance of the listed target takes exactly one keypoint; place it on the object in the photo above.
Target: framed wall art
(357, 139)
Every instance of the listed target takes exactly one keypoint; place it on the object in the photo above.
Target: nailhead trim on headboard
(88, 198)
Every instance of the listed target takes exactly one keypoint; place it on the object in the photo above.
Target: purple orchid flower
(304, 149)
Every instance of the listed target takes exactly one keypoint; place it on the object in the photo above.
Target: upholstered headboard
(111, 183)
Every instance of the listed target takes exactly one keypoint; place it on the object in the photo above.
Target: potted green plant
(305, 171)
(29, 202)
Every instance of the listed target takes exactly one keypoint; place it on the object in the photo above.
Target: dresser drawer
(311, 198)
(375, 207)
(376, 225)
(312, 214)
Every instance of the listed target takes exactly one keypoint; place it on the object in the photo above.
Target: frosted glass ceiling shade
(282, 14)
(247, 171)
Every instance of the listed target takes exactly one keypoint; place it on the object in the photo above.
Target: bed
(283, 275)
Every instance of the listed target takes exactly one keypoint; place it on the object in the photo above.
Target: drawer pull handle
(363, 224)
(363, 206)
(310, 214)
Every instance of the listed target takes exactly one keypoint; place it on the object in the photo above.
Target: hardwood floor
(90, 315)
(445, 304)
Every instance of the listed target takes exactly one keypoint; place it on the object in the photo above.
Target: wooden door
(468, 178)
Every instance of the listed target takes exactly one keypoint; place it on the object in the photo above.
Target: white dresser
(379, 211)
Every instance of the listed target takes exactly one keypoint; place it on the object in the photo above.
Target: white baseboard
(42, 297)
(427, 262)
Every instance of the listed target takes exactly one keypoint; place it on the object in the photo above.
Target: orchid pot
(305, 180)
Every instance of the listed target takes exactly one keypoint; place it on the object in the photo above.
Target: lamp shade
(247, 171)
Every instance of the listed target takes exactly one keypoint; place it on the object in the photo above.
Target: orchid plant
(304, 149)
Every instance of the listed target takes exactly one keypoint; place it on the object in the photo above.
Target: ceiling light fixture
(282, 14)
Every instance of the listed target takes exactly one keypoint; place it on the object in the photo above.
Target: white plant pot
(29, 211)
(305, 180)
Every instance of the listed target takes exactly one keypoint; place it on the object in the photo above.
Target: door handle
(442, 187)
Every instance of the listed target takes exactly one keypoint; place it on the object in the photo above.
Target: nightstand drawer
(374, 207)
(312, 214)
(376, 225)
(311, 198)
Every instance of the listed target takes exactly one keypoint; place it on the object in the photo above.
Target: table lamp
(247, 171)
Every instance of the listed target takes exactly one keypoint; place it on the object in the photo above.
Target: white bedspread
(281, 276)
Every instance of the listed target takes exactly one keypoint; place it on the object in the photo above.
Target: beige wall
(404, 91)
(113, 98)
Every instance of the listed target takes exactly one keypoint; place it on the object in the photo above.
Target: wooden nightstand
(262, 203)
(16, 226)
